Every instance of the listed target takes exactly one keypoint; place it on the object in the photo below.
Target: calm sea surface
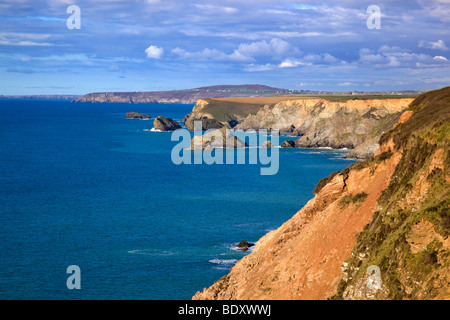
(80, 185)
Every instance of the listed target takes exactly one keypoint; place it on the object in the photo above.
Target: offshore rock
(165, 124)
(288, 144)
(136, 115)
(219, 138)
(244, 245)
(267, 144)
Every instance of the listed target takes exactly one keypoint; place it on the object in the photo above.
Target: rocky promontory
(165, 124)
(317, 121)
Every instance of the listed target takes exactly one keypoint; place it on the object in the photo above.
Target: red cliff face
(302, 259)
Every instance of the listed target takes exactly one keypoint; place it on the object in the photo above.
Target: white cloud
(438, 45)
(211, 54)
(210, 9)
(24, 39)
(274, 47)
(291, 63)
(246, 52)
(260, 67)
(324, 58)
(395, 57)
(154, 52)
(439, 9)
(310, 59)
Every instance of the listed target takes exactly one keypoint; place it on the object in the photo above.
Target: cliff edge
(318, 122)
(390, 212)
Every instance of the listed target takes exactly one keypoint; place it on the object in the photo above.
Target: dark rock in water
(136, 115)
(244, 245)
(165, 124)
(288, 144)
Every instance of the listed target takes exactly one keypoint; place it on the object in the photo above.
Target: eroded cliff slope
(390, 211)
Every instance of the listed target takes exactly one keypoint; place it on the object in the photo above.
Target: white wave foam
(234, 247)
(153, 130)
(152, 252)
(225, 262)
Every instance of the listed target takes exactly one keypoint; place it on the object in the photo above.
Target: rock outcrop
(267, 144)
(137, 115)
(206, 124)
(389, 213)
(288, 144)
(223, 112)
(219, 138)
(244, 245)
(318, 122)
(324, 123)
(165, 124)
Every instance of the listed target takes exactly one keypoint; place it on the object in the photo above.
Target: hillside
(390, 211)
(189, 96)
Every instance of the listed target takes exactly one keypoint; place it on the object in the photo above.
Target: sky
(48, 47)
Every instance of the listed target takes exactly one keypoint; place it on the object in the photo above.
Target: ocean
(81, 185)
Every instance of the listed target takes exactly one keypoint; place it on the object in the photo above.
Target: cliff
(321, 122)
(165, 124)
(390, 211)
(189, 96)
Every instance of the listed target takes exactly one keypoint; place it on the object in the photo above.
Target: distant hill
(186, 96)
(43, 97)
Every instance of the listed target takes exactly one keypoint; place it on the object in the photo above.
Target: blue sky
(148, 45)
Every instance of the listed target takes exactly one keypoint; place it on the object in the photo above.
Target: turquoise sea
(81, 185)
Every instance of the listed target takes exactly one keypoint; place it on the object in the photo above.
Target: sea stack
(165, 124)
(219, 138)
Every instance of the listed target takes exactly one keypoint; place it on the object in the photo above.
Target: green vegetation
(372, 161)
(323, 182)
(357, 199)
(225, 111)
(383, 242)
